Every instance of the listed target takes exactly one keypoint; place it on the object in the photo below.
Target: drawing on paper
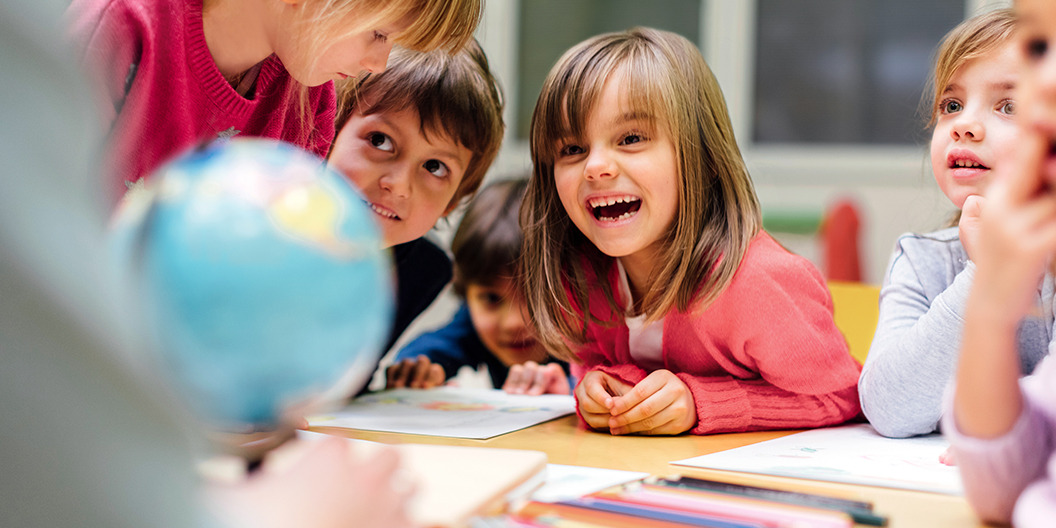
(448, 411)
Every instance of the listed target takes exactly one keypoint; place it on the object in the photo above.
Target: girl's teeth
(628, 214)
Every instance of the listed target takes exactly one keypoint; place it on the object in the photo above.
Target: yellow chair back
(856, 310)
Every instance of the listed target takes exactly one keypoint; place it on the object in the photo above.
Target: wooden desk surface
(565, 443)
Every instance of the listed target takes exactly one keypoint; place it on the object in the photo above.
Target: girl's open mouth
(613, 209)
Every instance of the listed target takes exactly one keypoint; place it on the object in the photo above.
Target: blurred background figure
(85, 443)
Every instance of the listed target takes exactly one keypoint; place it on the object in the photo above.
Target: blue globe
(261, 275)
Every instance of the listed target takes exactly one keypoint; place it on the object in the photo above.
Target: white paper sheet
(572, 482)
(854, 454)
(447, 411)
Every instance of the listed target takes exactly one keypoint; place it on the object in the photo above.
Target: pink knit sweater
(164, 94)
(765, 355)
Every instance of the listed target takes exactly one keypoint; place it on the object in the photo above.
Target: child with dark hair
(416, 140)
(491, 325)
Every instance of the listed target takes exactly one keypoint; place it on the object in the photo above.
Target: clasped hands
(660, 404)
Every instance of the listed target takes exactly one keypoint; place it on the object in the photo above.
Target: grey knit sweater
(915, 349)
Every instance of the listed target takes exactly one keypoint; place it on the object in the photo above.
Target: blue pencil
(658, 514)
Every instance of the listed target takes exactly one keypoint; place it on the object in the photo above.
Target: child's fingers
(669, 409)
(420, 372)
(436, 376)
(396, 375)
(558, 383)
(518, 379)
(948, 458)
(592, 393)
(595, 420)
(645, 415)
(665, 426)
(642, 391)
(540, 379)
(554, 379)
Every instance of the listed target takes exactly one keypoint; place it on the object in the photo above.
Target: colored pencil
(562, 513)
(660, 513)
(769, 514)
(860, 512)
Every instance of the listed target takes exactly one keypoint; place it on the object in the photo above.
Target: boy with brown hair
(417, 139)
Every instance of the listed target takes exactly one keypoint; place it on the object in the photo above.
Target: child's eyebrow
(997, 86)
(627, 117)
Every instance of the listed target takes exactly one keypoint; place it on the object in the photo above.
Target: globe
(261, 277)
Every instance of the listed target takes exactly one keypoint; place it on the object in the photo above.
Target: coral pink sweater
(765, 355)
(164, 94)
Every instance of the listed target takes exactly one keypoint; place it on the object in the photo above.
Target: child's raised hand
(1017, 234)
(534, 379)
(417, 373)
(660, 404)
(595, 393)
(968, 227)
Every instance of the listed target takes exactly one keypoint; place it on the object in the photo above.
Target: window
(549, 27)
(819, 91)
(845, 71)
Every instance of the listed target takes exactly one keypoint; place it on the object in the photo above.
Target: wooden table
(566, 443)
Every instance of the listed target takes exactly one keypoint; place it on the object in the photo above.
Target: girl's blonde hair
(971, 39)
(434, 24)
(665, 77)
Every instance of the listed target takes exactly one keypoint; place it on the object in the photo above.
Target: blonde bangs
(432, 24)
(567, 100)
(970, 40)
(447, 25)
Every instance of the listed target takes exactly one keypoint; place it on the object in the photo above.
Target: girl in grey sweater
(914, 351)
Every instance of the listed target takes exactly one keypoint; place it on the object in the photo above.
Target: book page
(447, 411)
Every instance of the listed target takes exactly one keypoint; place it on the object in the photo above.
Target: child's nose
(599, 165)
(514, 317)
(397, 181)
(968, 126)
(377, 57)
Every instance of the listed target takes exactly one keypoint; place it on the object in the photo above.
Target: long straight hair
(666, 78)
(434, 24)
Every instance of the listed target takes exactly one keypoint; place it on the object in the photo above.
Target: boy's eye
(1008, 107)
(492, 299)
(380, 36)
(950, 106)
(436, 168)
(380, 141)
(571, 150)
